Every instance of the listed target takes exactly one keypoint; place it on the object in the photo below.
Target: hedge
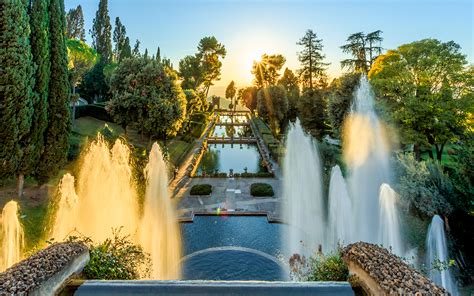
(94, 110)
(261, 189)
(201, 189)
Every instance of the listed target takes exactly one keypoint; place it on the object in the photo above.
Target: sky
(248, 28)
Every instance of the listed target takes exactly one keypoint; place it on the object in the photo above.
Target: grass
(89, 126)
(447, 159)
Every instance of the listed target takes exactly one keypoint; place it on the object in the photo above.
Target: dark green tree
(191, 72)
(119, 39)
(102, 33)
(290, 83)
(341, 92)
(39, 39)
(126, 51)
(136, 49)
(158, 55)
(248, 97)
(272, 106)
(196, 102)
(230, 93)
(75, 24)
(147, 94)
(312, 73)
(266, 71)
(17, 97)
(145, 55)
(312, 109)
(59, 125)
(364, 50)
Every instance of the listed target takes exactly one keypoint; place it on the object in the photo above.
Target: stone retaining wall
(380, 272)
(45, 272)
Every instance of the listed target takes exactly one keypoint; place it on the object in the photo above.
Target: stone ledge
(46, 271)
(380, 272)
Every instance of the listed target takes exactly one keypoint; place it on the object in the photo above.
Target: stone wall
(379, 272)
(45, 272)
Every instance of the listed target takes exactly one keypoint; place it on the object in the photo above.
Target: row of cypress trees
(34, 89)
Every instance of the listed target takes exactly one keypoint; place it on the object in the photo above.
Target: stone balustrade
(379, 272)
(45, 272)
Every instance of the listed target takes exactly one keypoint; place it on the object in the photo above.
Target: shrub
(94, 110)
(261, 189)
(201, 189)
(117, 258)
(328, 268)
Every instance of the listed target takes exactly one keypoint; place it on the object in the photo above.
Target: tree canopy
(147, 94)
(266, 70)
(312, 72)
(272, 106)
(75, 24)
(429, 89)
(364, 49)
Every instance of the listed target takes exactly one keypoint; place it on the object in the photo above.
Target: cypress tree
(39, 39)
(102, 33)
(16, 76)
(126, 51)
(59, 125)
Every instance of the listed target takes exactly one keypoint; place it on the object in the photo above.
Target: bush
(93, 110)
(261, 189)
(117, 258)
(328, 268)
(201, 189)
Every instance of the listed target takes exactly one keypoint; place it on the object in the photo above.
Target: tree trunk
(430, 153)
(416, 150)
(20, 185)
(439, 151)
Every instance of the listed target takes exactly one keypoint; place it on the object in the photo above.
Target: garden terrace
(380, 272)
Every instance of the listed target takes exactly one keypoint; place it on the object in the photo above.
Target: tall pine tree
(119, 38)
(102, 33)
(59, 125)
(312, 72)
(16, 76)
(75, 24)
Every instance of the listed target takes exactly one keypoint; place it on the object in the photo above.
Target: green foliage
(266, 71)
(312, 107)
(17, 97)
(202, 69)
(290, 82)
(423, 186)
(312, 72)
(59, 125)
(147, 93)
(93, 110)
(81, 59)
(75, 24)
(201, 189)
(341, 92)
(102, 33)
(261, 189)
(117, 258)
(462, 176)
(94, 86)
(328, 268)
(428, 90)
(272, 106)
(120, 39)
(364, 49)
(248, 97)
(196, 102)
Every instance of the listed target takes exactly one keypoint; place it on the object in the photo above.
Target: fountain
(340, 217)
(302, 193)
(366, 154)
(11, 236)
(107, 199)
(159, 231)
(389, 229)
(437, 250)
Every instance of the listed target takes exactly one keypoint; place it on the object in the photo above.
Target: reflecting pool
(228, 131)
(223, 157)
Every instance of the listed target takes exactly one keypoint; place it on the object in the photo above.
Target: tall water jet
(366, 152)
(159, 230)
(11, 236)
(340, 216)
(437, 250)
(302, 193)
(389, 230)
(106, 196)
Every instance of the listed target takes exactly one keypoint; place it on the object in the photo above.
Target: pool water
(232, 248)
(223, 157)
(237, 118)
(226, 131)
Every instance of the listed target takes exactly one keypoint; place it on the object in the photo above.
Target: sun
(251, 57)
